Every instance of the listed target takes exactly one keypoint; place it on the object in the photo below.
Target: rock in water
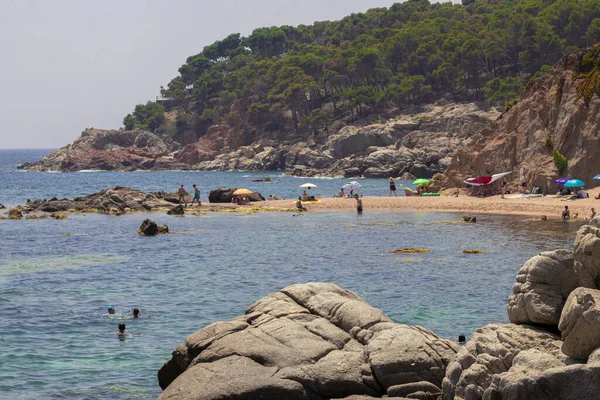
(580, 323)
(309, 341)
(148, 228)
(225, 196)
(15, 214)
(177, 210)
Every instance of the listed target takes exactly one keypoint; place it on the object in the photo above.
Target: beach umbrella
(307, 186)
(562, 181)
(421, 181)
(479, 181)
(574, 183)
(597, 176)
(352, 186)
(242, 192)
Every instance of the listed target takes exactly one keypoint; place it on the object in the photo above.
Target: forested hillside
(300, 79)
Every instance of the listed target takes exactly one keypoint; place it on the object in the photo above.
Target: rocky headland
(420, 143)
(319, 341)
(551, 132)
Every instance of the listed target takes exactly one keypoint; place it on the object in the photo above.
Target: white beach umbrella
(307, 186)
(352, 186)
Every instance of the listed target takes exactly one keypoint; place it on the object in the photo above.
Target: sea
(58, 277)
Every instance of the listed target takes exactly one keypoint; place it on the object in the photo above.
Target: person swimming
(136, 313)
(121, 331)
(111, 310)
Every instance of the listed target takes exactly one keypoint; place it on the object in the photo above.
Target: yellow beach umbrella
(241, 192)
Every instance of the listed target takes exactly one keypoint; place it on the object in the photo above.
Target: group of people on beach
(181, 193)
(135, 313)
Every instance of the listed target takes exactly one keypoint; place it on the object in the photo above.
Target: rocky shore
(420, 143)
(319, 341)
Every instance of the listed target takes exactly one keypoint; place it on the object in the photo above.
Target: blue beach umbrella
(597, 176)
(574, 183)
(562, 181)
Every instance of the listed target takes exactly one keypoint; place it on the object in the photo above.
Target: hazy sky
(71, 64)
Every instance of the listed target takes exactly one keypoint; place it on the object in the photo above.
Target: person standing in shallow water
(566, 214)
(359, 206)
(181, 195)
(393, 187)
(196, 196)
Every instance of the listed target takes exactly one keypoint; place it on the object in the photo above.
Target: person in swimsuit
(359, 207)
(566, 214)
(393, 187)
(196, 196)
(299, 205)
(593, 214)
(181, 194)
(111, 310)
(136, 313)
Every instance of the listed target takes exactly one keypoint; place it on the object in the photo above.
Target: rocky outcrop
(492, 351)
(150, 228)
(549, 120)
(542, 287)
(117, 200)
(225, 195)
(15, 214)
(420, 144)
(580, 323)
(111, 150)
(308, 341)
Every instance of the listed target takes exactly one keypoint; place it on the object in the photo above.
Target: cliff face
(549, 125)
(420, 144)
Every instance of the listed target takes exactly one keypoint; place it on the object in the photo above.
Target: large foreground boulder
(580, 323)
(225, 195)
(497, 349)
(308, 341)
(543, 284)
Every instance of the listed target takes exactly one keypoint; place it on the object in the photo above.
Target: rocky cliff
(419, 143)
(111, 150)
(551, 132)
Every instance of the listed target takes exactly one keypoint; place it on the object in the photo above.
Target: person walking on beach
(393, 187)
(196, 196)
(359, 206)
(566, 214)
(503, 189)
(181, 194)
(593, 214)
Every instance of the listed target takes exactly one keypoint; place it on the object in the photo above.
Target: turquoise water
(58, 277)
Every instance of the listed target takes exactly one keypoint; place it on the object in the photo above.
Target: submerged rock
(15, 214)
(308, 341)
(177, 210)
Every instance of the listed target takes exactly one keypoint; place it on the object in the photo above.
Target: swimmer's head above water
(111, 310)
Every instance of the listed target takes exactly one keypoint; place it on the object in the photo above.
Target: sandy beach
(550, 206)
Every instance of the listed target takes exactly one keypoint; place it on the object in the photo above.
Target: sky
(67, 65)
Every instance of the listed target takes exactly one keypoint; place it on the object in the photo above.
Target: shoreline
(550, 206)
